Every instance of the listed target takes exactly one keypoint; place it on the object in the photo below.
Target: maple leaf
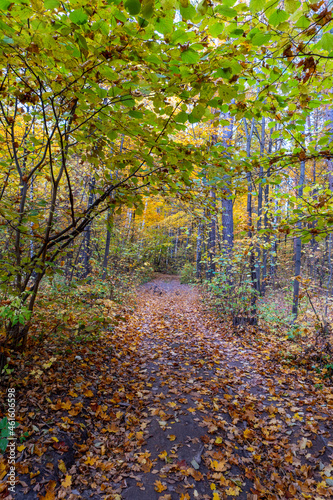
(50, 493)
(66, 483)
(233, 491)
(147, 466)
(91, 460)
(185, 496)
(248, 433)
(218, 466)
(159, 487)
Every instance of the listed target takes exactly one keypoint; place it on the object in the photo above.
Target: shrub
(187, 274)
(230, 291)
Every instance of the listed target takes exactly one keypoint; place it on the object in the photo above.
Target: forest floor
(176, 405)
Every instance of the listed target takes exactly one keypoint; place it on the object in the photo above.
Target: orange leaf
(159, 487)
(50, 494)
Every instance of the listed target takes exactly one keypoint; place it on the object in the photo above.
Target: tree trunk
(266, 239)
(298, 248)
(107, 246)
(199, 251)
(260, 199)
(227, 202)
(249, 135)
(87, 237)
(211, 247)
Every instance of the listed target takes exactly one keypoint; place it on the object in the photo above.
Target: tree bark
(249, 135)
(199, 251)
(298, 249)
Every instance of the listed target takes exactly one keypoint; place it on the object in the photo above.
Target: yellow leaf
(218, 466)
(172, 437)
(185, 496)
(234, 491)
(159, 487)
(218, 440)
(21, 447)
(213, 486)
(247, 433)
(66, 483)
(216, 496)
(89, 394)
(163, 455)
(62, 466)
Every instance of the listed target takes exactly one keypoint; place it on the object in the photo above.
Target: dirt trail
(174, 405)
(221, 420)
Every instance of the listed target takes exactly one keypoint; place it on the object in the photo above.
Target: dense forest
(166, 219)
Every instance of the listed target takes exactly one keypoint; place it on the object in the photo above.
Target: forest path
(221, 420)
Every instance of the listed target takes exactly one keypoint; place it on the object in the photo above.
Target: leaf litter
(173, 404)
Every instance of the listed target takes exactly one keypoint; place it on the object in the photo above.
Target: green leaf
(180, 36)
(3, 445)
(278, 17)
(257, 5)
(147, 8)
(129, 102)
(118, 14)
(164, 25)
(327, 41)
(226, 11)
(51, 4)
(7, 39)
(133, 7)
(303, 22)
(197, 113)
(78, 16)
(260, 39)
(4, 4)
(101, 92)
(188, 12)
(216, 29)
(3, 423)
(181, 117)
(136, 114)
(236, 32)
(190, 56)
(226, 92)
(291, 6)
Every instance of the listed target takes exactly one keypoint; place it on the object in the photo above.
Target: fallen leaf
(159, 487)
